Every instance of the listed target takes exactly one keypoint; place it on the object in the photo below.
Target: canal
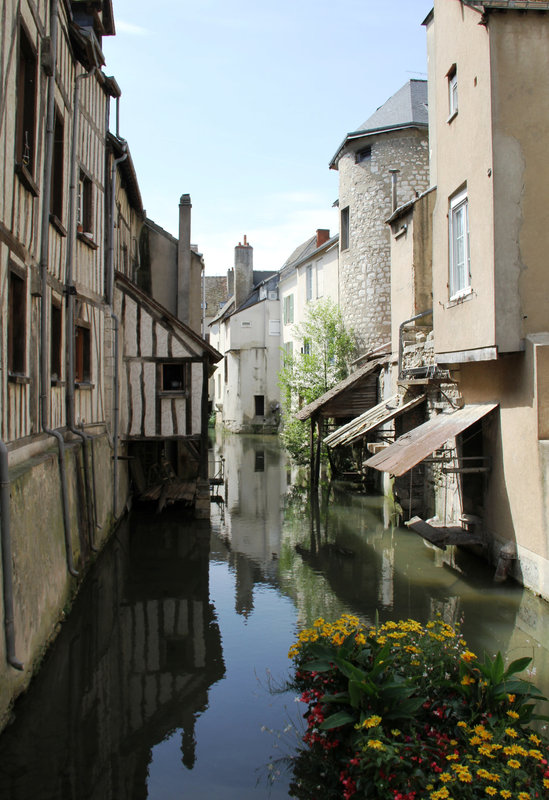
(167, 680)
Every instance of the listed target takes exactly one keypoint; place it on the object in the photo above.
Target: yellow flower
(491, 790)
(371, 722)
(546, 783)
(318, 622)
(462, 724)
(440, 795)
(467, 680)
(375, 744)
(512, 733)
(445, 776)
(535, 754)
(535, 739)
(468, 656)
(512, 714)
(513, 763)
(505, 793)
(395, 732)
(452, 757)
(511, 698)
(523, 796)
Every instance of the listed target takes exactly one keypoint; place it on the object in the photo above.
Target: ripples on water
(166, 680)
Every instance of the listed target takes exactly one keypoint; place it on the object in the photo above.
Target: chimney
(243, 271)
(230, 282)
(184, 259)
(322, 236)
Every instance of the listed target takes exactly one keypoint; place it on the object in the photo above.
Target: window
(306, 349)
(274, 327)
(288, 309)
(84, 205)
(56, 351)
(363, 155)
(56, 206)
(309, 285)
(259, 402)
(288, 351)
(259, 461)
(26, 107)
(173, 377)
(460, 267)
(319, 279)
(82, 353)
(452, 92)
(344, 228)
(17, 316)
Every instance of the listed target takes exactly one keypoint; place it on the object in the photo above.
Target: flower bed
(402, 711)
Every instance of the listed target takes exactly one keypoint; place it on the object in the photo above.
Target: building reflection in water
(133, 663)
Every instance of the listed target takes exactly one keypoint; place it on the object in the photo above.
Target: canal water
(167, 681)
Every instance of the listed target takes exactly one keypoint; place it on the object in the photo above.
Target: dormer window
(363, 155)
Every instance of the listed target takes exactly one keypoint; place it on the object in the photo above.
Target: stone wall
(43, 587)
(366, 189)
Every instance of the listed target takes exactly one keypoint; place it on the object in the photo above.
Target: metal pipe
(44, 258)
(71, 292)
(394, 203)
(116, 327)
(400, 329)
(7, 575)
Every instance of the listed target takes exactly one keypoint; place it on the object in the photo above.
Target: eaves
(366, 134)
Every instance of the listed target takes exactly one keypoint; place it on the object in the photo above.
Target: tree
(326, 351)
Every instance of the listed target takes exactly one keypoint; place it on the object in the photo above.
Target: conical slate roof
(407, 106)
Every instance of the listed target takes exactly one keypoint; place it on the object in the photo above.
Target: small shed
(346, 400)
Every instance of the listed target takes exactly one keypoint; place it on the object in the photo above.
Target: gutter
(89, 486)
(44, 257)
(116, 328)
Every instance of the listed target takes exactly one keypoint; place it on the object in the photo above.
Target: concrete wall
(43, 587)
(365, 188)
(463, 159)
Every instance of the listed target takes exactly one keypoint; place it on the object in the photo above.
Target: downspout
(7, 576)
(400, 329)
(71, 292)
(44, 257)
(116, 327)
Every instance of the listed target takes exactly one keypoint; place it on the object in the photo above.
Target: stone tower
(382, 165)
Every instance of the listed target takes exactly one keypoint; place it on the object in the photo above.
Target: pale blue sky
(242, 104)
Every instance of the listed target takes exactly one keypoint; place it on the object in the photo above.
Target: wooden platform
(169, 492)
(443, 536)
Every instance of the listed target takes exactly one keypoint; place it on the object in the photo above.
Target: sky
(243, 103)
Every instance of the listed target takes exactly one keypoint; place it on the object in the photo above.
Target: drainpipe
(400, 329)
(7, 576)
(394, 173)
(71, 293)
(44, 257)
(116, 327)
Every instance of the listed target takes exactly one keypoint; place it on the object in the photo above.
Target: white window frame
(459, 246)
(319, 279)
(309, 283)
(452, 93)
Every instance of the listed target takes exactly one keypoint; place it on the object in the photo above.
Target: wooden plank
(411, 448)
(443, 536)
(371, 419)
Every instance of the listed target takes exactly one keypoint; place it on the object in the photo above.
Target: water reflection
(158, 685)
(133, 663)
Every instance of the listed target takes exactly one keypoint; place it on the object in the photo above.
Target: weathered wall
(365, 266)
(43, 587)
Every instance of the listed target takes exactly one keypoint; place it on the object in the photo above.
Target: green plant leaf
(337, 720)
(519, 665)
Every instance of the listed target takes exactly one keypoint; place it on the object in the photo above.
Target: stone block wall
(366, 189)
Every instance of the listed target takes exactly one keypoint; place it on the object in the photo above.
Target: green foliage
(328, 348)
(406, 712)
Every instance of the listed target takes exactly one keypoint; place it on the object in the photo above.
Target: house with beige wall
(488, 356)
